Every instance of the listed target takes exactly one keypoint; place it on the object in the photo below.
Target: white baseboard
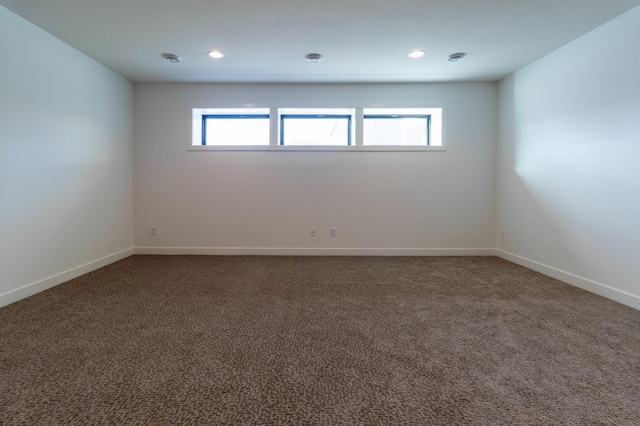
(52, 281)
(294, 251)
(583, 283)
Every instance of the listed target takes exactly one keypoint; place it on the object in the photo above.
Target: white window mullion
(274, 126)
(359, 127)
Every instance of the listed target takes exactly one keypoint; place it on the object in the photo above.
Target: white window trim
(274, 136)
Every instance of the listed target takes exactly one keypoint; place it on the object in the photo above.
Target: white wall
(211, 202)
(66, 158)
(569, 162)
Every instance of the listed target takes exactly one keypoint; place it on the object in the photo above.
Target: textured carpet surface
(318, 340)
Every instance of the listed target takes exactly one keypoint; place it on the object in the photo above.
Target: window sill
(316, 148)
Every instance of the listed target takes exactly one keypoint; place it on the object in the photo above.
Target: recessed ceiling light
(216, 54)
(170, 57)
(416, 54)
(313, 57)
(455, 57)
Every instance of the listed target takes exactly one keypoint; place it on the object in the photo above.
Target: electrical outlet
(312, 232)
(502, 233)
(332, 232)
(153, 230)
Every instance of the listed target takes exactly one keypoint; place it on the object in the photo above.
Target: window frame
(427, 118)
(194, 129)
(318, 117)
(229, 116)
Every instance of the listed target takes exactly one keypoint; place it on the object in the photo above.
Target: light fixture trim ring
(170, 57)
(313, 57)
(455, 57)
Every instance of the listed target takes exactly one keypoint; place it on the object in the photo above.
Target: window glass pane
(237, 131)
(395, 131)
(318, 130)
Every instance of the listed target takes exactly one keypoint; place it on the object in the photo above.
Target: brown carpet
(318, 340)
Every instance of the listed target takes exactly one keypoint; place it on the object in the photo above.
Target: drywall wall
(568, 162)
(66, 161)
(265, 202)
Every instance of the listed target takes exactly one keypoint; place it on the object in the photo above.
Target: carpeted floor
(318, 340)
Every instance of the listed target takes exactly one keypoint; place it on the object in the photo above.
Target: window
(233, 127)
(317, 129)
(230, 129)
(401, 127)
(402, 130)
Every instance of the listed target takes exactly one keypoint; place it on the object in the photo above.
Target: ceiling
(360, 40)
